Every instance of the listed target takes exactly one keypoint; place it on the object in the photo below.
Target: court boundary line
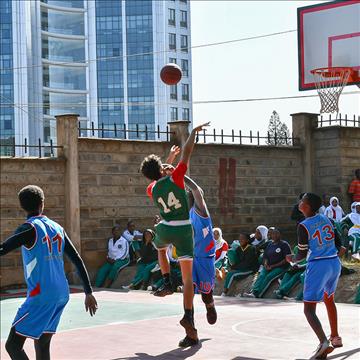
(234, 328)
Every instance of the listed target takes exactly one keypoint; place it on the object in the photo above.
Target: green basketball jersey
(171, 200)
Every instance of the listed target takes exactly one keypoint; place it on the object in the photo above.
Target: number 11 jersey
(169, 195)
(44, 263)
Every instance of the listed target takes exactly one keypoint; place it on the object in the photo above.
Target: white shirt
(130, 237)
(118, 250)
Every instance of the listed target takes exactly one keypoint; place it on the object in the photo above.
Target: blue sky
(256, 68)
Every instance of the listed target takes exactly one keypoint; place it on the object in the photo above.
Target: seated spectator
(291, 278)
(146, 263)
(117, 259)
(134, 238)
(222, 248)
(334, 211)
(325, 201)
(350, 228)
(354, 187)
(260, 236)
(245, 262)
(175, 271)
(274, 265)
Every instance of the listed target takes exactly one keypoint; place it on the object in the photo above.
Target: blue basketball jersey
(204, 244)
(43, 262)
(321, 237)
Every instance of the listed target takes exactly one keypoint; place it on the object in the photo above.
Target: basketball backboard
(328, 36)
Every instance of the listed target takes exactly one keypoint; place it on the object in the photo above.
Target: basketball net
(329, 83)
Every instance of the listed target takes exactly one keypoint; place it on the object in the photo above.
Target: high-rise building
(98, 58)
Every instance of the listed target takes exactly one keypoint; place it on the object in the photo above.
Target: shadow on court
(177, 353)
(342, 356)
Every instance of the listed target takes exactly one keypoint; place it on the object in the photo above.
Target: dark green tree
(278, 132)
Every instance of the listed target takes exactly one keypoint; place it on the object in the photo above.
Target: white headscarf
(219, 242)
(355, 219)
(334, 212)
(263, 231)
(353, 206)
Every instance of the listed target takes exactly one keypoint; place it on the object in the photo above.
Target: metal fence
(8, 147)
(340, 120)
(135, 132)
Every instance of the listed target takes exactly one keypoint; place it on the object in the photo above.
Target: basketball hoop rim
(333, 71)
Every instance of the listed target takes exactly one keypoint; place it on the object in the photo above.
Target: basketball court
(137, 325)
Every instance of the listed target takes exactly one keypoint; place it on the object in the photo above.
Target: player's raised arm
(189, 145)
(174, 152)
(197, 193)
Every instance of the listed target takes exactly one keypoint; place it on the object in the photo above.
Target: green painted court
(137, 325)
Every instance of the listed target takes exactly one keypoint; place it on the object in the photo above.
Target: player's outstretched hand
(174, 152)
(91, 304)
(200, 127)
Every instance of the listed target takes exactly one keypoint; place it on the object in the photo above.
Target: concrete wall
(245, 186)
(336, 156)
(15, 174)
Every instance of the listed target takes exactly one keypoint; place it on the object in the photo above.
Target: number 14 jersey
(321, 237)
(169, 195)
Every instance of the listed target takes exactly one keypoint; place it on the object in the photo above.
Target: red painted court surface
(137, 325)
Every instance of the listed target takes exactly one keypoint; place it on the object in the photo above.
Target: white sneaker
(223, 294)
(126, 287)
(149, 288)
(322, 350)
(248, 295)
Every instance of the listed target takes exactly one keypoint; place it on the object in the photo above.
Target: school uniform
(246, 263)
(118, 250)
(273, 254)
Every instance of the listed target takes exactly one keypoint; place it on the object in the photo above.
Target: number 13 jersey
(44, 263)
(169, 195)
(321, 237)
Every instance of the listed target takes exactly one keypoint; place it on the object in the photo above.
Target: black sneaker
(211, 315)
(163, 290)
(187, 342)
(188, 325)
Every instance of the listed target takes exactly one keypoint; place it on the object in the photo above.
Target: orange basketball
(171, 74)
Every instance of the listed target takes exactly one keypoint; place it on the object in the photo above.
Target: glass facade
(7, 126)
(64, 77)
(65, 3)
(63, 50)
(58, 22)
(58, 104)
(110, 76)
(140, 68)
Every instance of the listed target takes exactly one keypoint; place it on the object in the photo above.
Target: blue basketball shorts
(36, 317)
(204, 274)
(321, 276)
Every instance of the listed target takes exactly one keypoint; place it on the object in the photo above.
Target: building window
(174, 113)
(173, 92)
(172, 60)
(185, 114)
(172, 41)
(185, 91)
(185, 67)
(183, 19)
(171, 20)
(184, 43)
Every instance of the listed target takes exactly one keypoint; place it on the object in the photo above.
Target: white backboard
(328, 36)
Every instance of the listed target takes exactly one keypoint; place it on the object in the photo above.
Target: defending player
(318, 241)
(43, 243)
(169, 195)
